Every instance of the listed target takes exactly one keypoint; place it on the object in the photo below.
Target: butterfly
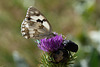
(35, 25)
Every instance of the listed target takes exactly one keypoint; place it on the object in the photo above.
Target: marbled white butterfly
(35, 25)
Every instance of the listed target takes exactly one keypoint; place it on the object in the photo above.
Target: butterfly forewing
(35, 25)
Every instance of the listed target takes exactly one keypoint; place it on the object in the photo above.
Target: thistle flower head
(51, 44)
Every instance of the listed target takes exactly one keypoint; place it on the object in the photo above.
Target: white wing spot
(31, 35)
(23, 29)
(37, 17)
(37, 12)
(31, 12)
(46, 25)
(23, 22)
(31, 32)
(23, 33)
(27, 15)
(26, 37)
(22, 25)
(31, 29)
(27, 25)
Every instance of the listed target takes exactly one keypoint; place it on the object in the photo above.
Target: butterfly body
(35, 25)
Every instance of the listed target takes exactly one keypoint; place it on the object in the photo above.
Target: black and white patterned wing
(35, 25)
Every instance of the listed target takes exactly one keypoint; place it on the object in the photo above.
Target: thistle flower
(58, 51)
(52, 44)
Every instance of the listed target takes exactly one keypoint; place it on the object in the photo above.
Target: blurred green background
(78, 20)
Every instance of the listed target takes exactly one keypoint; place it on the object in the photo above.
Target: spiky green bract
(48, 61)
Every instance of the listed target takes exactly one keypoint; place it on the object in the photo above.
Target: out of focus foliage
(76, 19)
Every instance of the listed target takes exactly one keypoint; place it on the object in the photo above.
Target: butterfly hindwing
(35, 25)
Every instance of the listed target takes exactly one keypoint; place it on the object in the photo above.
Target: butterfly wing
(35, 25)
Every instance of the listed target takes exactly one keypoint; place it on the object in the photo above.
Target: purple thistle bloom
(51, 44)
